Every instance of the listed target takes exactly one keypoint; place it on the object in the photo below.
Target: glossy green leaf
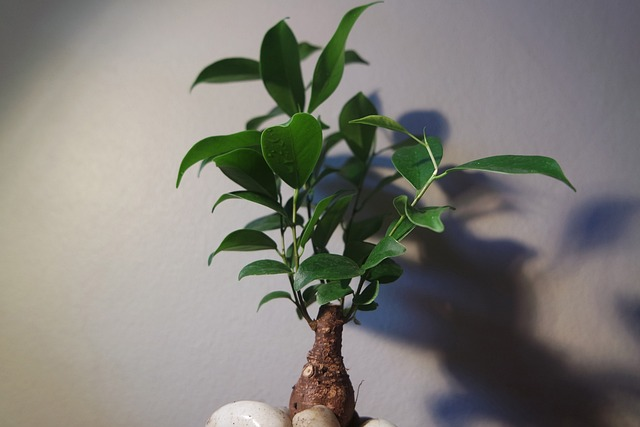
(358, 251)
(266, 223)
(386, 272)
(263, 267)
(244, 241)
(252, 197)
(274, 295)
(359, 137)
(215, 146)
(368, 295)
(368, 307)
(324, 267)
(352, 57)
(428, 217)
(306, 49)
(332, 291)
(292, 149)
(330, 66)
(247, 168)
(330, 221)
(256, 122)
(229, 70)
(414, 163)
(388, 247)
(514, 164)
(280, 68)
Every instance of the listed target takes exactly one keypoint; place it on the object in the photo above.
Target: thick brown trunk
(324, 379)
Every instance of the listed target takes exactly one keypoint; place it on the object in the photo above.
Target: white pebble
(378, 422)
(318, 416)
(247, 413)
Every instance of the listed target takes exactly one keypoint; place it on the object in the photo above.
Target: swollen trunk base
(324, 379)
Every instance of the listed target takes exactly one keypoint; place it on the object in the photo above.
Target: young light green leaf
(359, 137)
(244, 241)
(382, 122)
(325, 267)
(515, 164)
(255, 198)
(247, 168)
(274, 295)
(388, 247)
(428, 217)
(368, 295)
(331, 291)
(414, 163)
(256, 122)
(292, 150)
(229, 70)
(263, 267)
(280, 68)
(330, 65)
(215, 146)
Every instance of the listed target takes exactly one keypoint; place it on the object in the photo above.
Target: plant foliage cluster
(292, 156)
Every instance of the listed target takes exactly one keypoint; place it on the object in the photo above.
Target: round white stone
(318, 416)
(246, 413)
(378, 422)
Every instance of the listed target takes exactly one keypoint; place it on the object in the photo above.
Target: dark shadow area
(467, 299)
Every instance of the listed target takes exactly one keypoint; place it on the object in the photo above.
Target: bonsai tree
(283, 168)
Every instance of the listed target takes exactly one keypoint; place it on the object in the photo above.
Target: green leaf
(354, 171)
(325, 267)
(368, 307)
(274, 295)
(400, 228)
(513, 164)
(382, 122)
(330, 221)
(229, 70)
(247, 168)
(215, 146)
(358, 251)
(292, 150)
(305, 50)
(386, 272)
(359, 137)
(414, 163)
(352, 57)
(330, 65)
(244, 240)
(363, 229)
(256, 122)
(331, 291)
(317, 212)
(428, 217)
(387, 247)
(368, 295)
(265, 223)
(263, 267)
(280, 68)
(379, 186)
(255, 198)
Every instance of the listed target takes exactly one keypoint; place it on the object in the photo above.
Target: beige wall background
(527, 312)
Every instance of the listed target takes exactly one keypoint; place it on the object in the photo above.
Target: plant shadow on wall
(467, 299)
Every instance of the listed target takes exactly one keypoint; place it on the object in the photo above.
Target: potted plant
(283, 168)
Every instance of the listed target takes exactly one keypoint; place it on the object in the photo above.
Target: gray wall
(527, 309)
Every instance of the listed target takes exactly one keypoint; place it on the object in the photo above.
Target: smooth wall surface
(525, 312)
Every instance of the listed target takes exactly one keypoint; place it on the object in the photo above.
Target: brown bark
(324, 379)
